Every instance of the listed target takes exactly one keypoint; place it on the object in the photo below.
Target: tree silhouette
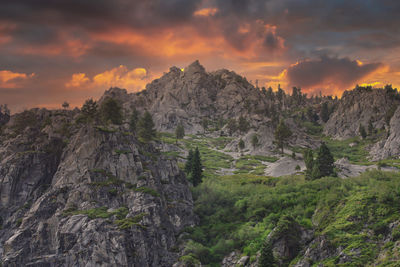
(89, 110)
(324, 112)
(134, 120)
(111, 111)
(282, 135)
(254, 141)
(146, 129)
(179, 132)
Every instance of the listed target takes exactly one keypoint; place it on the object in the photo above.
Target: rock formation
(96, 198)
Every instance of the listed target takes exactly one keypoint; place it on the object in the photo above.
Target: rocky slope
(389, 147)
(359, 106)
(89, 197)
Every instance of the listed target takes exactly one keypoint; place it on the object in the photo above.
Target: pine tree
(267, 257)
(315, 173)
(232, 126)
(282, 134)
(134, 120)
(65, 105)
(324, 112)
(243, 125)
(362, 131)
(371, 129)
(204, 123)
(188, 164)
(324, 162)
(89, 110)
(254, 141)
(309, 162)
(241, 144)
(111, 111)
(146, 129)
(179, 132)
(197, 168)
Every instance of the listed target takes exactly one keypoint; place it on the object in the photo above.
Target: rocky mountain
(359, 107)
(79, 195)
(83, 191)
(390, 146)
(189, 95)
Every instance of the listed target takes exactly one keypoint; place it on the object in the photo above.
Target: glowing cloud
(330, 74)
(9, 79)
(78, 79)
(121, 76)
(206, 12)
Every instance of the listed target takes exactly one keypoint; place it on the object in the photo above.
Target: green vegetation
(254, 141)
(179, 132)
(133, 120)
(110, 111)
(88, 111)
(239, 211)
(193, 167)
(252, 164)
(126, 223)
(23, 120)
(241, 144)
(352, 148)
(146, 130)
(282, 135)
(147, 190)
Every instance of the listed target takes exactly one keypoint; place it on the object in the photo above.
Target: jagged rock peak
(195, 67)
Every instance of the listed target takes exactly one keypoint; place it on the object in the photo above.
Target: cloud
(9, 79)
(134, 79)
(77, 80)
(335, 74)
(206, 12)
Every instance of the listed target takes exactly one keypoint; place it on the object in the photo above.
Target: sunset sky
(68, 50)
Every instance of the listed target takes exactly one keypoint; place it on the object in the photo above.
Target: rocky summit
(203, 169)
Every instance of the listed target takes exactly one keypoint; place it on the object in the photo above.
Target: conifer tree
(267, 257)
(309, 161)
(362, 131)
(254, 141)
(232, 126)
(111, 111)
(241, 144)
(324, 112)
(89, 110)
(282, 135)
(324, 162)
(146, 129)
(179, 132)
(197, 168)
(134, 120)
(243, 125)
(188, 165)
(371, 129)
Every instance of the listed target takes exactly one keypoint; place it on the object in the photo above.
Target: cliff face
(191, 94)
(389, 147)
(96, 198)
(359, 106)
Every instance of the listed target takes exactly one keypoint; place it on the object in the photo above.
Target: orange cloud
(122, 77)
(135, 79)
(9, 79)
(206, 12)
(77, 80)
(186, 42)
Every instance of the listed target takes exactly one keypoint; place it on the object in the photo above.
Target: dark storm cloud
(293, 17)
(329, 71)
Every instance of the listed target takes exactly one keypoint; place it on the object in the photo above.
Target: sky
(53, 51)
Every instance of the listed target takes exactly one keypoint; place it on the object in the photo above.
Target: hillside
(84, 187)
